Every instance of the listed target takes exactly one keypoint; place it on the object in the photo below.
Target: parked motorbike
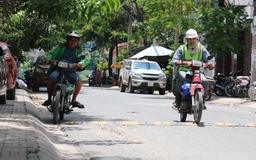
(219, 85)
(192, 92)
(62, 91)
(208, 94)
(91, 78)
(231, 81)
(28, 77)
(109, 80)
(240, 85)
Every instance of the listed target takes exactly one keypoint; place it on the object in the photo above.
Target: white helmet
(191, 33)
(73, 33)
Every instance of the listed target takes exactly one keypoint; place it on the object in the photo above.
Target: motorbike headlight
(39, 70)
(197, 63)
(63, 64)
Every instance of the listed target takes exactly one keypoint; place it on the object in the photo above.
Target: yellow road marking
(251, 125)
(191, 124)
(162, 123)
(224, 124)
(130, 122)
(70, 122)
(98, 122)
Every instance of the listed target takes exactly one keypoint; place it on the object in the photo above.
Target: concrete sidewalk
(24, 137)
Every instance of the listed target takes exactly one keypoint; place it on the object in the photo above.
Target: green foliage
(102, 66)
(163, 17)
(33, 24)
(221, 27)
(123, 55)
(68, 10)
(169, 68)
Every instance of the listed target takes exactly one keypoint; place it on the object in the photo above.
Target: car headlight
(162, 75)
(136, 74)
(63, 64)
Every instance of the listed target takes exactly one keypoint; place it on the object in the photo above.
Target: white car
(142, 74)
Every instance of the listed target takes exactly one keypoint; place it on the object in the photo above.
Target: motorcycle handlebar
(190, 63)
(70, 65)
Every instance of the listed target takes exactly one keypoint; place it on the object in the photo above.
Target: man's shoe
(204, 107)
(46, 103)
(176, 105)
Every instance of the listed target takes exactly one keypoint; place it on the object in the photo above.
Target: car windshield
(145, 65)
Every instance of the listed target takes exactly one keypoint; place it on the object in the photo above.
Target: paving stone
(23, 136)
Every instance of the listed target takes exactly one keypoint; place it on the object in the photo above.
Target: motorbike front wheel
(198, 106)
(228, 89)
(63, 110)
(218, 91)
(56, 106)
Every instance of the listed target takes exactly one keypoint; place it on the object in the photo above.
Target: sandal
(77, 104)
(46, 103)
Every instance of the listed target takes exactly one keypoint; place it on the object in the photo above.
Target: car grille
(150, 76)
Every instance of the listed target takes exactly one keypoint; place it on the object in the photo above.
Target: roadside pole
(253, 55)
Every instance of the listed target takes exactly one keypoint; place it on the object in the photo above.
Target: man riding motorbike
(70, 52)
(192, 50)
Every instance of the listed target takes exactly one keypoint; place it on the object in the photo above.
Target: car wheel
(121, 86)
(130, 87)
(3, 99)
(11, 93)
(162, 91)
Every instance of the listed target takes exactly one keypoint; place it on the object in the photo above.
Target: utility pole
(253, 56)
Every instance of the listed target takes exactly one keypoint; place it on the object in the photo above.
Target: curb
(52, 143)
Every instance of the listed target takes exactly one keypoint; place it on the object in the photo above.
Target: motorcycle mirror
(81, 56)
(210, 57)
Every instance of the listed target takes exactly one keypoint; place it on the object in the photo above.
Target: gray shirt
(178, 56)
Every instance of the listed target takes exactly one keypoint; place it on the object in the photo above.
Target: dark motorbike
(92, 78)
(231, 81)
(28, 77)
(208, 94)
(219, 85)
(192, 101)
(62, 91)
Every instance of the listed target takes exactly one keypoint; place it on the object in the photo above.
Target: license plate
(150, 84)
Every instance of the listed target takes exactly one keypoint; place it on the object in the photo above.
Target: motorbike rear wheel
(198, 106)
(56, 106)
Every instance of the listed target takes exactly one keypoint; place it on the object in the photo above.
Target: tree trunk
(110, 55)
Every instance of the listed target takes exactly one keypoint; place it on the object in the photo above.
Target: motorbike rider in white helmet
(192, 50)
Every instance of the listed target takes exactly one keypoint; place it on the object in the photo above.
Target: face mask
(191, 45)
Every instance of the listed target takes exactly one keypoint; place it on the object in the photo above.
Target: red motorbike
(192, 91)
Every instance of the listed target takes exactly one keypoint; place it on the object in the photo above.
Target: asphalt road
(141, 126)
